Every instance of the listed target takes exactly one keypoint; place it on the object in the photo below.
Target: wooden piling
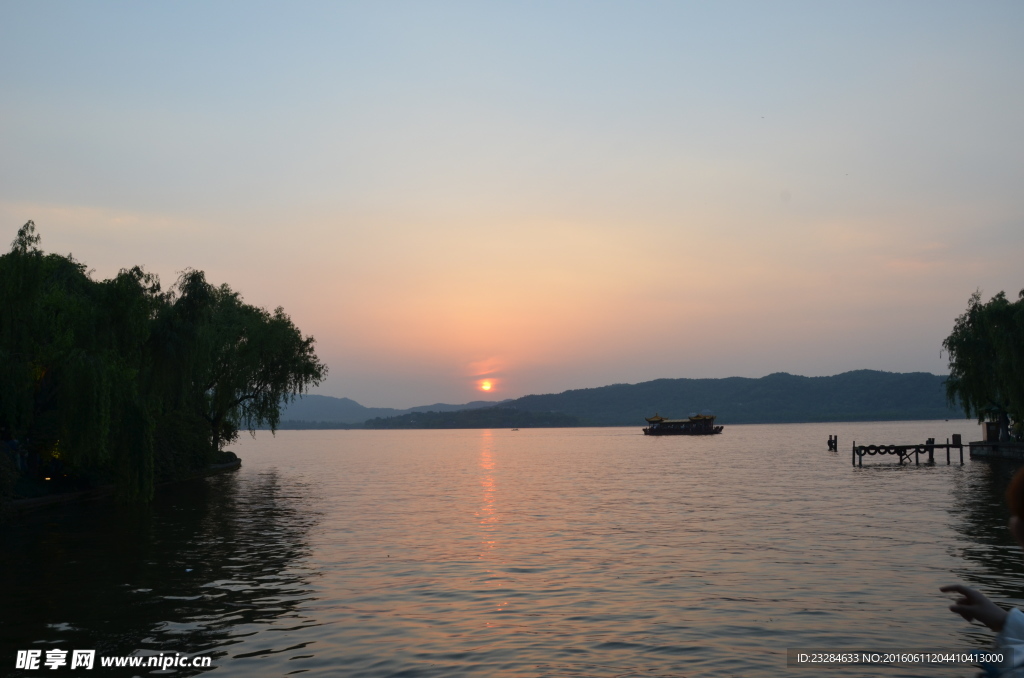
(904, 451)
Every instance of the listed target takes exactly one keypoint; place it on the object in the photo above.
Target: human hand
(974, 605)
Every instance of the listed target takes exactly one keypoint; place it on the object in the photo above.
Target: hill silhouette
(484, 417)
(860, 395)
(318, 411)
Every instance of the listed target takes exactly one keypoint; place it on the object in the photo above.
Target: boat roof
(662, 420)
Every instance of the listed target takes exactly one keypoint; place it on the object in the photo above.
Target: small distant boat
(695, 425)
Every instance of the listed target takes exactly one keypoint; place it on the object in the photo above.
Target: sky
(543, 195)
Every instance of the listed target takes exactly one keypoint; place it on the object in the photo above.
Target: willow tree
(71, 351)
(118, 380)
(247, 361)
(986, 361)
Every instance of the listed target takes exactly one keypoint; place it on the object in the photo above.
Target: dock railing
(904, 452)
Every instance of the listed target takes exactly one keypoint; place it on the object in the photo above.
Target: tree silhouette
(119, 381)
(986, 361)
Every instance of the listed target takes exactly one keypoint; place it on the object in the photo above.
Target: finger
(964, 611)
(959, 588)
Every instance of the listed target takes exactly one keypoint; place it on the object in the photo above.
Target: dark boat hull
(681, 431)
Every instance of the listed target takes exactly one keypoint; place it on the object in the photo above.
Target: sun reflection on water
(487, 514)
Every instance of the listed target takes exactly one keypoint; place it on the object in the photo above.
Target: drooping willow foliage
(123, 381)
(986, 360)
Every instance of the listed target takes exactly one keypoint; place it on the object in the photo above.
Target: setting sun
(486, 385)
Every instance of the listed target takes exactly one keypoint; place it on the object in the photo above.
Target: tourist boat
(695, 425)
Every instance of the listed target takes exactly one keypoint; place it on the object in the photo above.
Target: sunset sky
(545, 195)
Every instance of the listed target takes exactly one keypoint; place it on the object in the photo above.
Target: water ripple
(586, 552)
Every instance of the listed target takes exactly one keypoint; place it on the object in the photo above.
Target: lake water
(544, 552)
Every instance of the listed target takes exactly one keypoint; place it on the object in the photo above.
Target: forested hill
(308, 410)
(862, 395)
(484, 417)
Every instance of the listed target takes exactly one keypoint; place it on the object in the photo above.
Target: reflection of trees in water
(188, 573)
(996, 562)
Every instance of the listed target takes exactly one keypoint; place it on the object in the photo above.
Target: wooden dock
(904, 452)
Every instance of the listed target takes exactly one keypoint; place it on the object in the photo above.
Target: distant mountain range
(318, 408)
(861, 395)
(483, 417)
